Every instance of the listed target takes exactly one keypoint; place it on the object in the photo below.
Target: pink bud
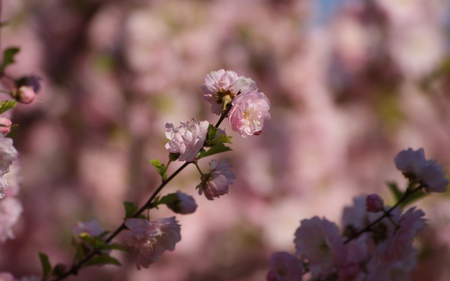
(25, 94)
(374, 203)
(5, 125)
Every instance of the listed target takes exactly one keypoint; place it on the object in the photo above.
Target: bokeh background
(351, 84)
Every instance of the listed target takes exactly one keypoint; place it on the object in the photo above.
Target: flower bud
(374, 203)
(5, 125)
(184, 205)
(25, 94)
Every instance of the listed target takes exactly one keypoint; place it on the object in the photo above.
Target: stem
(386, 214)
(76, 267)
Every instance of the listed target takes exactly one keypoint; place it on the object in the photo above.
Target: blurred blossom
(318, 241)
(186, 139)
(5, 276)
(216, 182)
(10, 211)
(416, 168)
(284, 267)
(248, 113)
(418, 49)
(184, 205)
(151, 239)
(91, 227)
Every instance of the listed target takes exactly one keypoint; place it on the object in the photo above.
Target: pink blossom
(374, 203)
(5, 125)
(6, 276)
(7, 154)
(284, 267)
(186, 139)
(91, 227)
(10, 210)
(151, 239)
(248, 113)
(411, 223)
(416, 168)
(222, 86)
(184, 205)
(215, 183)
(318, 241)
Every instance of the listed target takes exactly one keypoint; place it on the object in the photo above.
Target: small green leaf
(116, 247)
(215, 149)
(102, 260)
(412, 198)
(161, 168)
(46, 266)
(8, 56)
(216, 136)
(173, 156)
(169, 198)
(130, 209)
(396, 192)
(7, 105)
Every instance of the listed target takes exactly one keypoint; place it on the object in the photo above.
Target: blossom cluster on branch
(375, 242)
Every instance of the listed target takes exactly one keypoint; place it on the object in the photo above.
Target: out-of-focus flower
(184, 205)
(318, 241)
(416, 168)
(248, 113)
(91, 228)
(400, 248)
(5, 125)
(216, 182)
(25, 94)
(374, 203)
(222, 86)
(186, 139)
(284, 267)
(6, 276)
(10, 210)
(151, 239)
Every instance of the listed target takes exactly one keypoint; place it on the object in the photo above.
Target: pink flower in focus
(222, 86)
(151, 239)
(318, 241)
(416, 168)
(184, 205)
(5, 125)
(284, 267)
(91, 227)
(217, 181)
(10, 210)
(186, 139)
(374, 203)
(248, 113)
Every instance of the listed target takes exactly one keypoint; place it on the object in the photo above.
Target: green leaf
(46, 266)
(215, 149)
(161, 168)
(215, 136)
(173, 156)
(7, 105)
(412, 198)
(8, 56)
(102, 260)
(396, 192)
(116, 247)
(169, 198)
(130, 209)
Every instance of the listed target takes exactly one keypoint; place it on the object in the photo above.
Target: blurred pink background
(351, 84)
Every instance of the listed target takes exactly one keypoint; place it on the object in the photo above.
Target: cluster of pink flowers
(375, 242)
(249, 108)
(216, 182)
(416, 168)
